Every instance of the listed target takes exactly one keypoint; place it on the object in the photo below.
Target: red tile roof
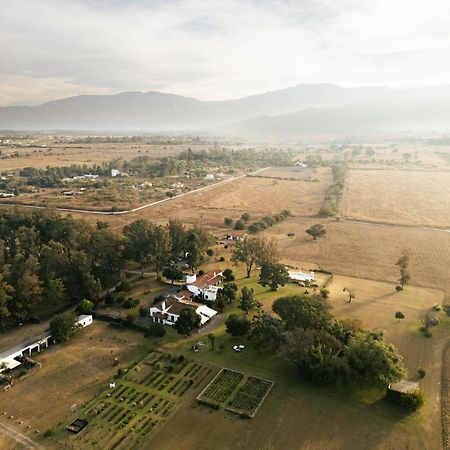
(210, 278)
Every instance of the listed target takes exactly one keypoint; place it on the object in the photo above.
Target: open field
(398, 196)
(368, 251)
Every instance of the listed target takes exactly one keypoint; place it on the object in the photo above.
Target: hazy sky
(217, 49)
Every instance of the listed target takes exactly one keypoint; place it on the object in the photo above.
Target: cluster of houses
(89, 177)
(204, 287)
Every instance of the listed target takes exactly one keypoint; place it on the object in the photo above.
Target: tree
(227, 292)
(188, 321)
(254, 250)
(197, 243)
(245, 217)
(399, 315)
(403, 263)
(138, 242)
(239, 225)
(228, 221)
(212, 340)
(372, 361)
(6, 291)
(159, 247)
(177, 238)
(85, 306)
(351, 293)
(237, 326)
(273, 275)
(248, 300)
(301, 312)
(173, 273)
(265, 331)
(317, 231)
(63, 327)
(228, 275)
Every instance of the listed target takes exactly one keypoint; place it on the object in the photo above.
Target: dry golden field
(70, 375)
(398, 196)
(369, 251)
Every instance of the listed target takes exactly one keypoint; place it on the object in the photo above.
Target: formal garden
(235, 392)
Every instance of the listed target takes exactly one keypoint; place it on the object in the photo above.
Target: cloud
(211, 49)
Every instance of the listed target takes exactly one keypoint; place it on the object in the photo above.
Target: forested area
(49, 261)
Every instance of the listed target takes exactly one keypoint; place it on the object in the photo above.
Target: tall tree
(177, 237)
(138, 242)
(248, 300)
(159, 247)
(273, 275)
(403, 263)
(255, 250)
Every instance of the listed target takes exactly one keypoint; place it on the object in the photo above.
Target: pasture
(409, 197)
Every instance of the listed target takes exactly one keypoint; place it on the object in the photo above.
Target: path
(139, 208)
(18, 437)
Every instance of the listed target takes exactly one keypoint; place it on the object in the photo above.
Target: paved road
(19, 437)
(148, 205)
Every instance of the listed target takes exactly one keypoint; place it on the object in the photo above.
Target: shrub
(420, 373)
(228, 275)
(410, 401)
(228, 221)
(155, 330)
(398, 288)
(181, 358)
(210, 252)
(49, 433)
(143, 311)
(124, 286)
(324, 292)
(157, 299)
(200, 273)
(132, 315)
(85, 306)
(130, 303)
(222, 259)
(239, 225)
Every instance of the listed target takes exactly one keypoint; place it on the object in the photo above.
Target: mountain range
(292, 112)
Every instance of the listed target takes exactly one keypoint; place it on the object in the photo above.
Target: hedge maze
(235, 392)
(122, 417)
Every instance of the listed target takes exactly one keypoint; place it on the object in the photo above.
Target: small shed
(84, 320)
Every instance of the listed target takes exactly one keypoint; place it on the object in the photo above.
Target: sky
(216, 50)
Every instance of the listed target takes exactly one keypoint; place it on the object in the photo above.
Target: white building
(206, 285)
(168, 311)
(11, 358)
(115, 172)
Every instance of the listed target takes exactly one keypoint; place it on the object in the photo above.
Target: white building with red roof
(206, 285)
(168, 311)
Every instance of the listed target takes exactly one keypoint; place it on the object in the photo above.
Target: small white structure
(68, 193)
(206, 285)
(234, 236)
(300, 276)
(301, 164)
(6, 194)
(84, 320)
(209, 176)
(115, 172)
(177, 185)
(168, 311)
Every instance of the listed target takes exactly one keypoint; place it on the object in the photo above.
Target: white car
(236, 348)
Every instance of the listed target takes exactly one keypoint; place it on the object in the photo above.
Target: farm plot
(235, 392)
(250, 396)
(398, 196)
(123, 416)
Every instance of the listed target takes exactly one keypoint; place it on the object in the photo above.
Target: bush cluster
(269, 221)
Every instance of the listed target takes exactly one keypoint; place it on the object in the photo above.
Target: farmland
(409, 197)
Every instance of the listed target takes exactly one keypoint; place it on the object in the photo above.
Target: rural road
(139, 208)
(19, 437)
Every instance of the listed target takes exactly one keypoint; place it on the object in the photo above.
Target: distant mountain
(317, 108)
